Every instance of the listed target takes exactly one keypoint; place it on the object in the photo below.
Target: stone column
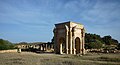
(67, 30)
(73, 34)
(39, 47)
(83, 50)
(66, 41)
(73, 31)
(46, 47)
(60, 48)
(43, 47)
(70, 41)
(83, 41)
(19, 50)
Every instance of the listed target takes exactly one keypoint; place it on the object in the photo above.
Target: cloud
(103, 12)
(98, 16)
(15, 13)
(103, 18)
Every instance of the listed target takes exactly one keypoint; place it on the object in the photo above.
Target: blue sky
(33, 20)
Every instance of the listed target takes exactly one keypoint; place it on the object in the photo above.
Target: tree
(4, 45)
(108, 40)
(118, 46)
(96, 44)
(52, 40)
(93, 41)
(90, 37)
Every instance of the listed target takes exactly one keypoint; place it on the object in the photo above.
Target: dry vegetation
(28, 58)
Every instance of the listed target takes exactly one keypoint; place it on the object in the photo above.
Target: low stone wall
(8, 51)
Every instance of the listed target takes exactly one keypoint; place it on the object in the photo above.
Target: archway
(62, 45)
(77, 45)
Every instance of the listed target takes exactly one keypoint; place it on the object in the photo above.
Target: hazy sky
(33, 20)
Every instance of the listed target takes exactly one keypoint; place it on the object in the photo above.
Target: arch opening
(77, 45)
(62, 45)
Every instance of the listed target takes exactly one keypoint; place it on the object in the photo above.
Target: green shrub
(4, 45)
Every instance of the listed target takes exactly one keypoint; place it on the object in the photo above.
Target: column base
(70, 51)
(83, 51)
(67, 51)
(74, 51)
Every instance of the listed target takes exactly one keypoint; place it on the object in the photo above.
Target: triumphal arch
(69, 38)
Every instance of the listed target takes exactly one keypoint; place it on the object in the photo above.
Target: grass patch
(108, 59)
(54, 59)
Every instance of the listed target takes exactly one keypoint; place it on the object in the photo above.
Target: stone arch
(68, 38)
(62, 45)
(77, 45)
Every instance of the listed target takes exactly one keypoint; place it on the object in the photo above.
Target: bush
(118, 46)
(96, 44)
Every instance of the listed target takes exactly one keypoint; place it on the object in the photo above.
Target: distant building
(39, 46)
(22, 45)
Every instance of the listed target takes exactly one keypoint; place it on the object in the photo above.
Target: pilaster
(70, 41)
(66, 41)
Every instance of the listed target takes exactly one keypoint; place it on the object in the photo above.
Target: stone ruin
(69, 38)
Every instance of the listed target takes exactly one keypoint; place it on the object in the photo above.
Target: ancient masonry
(69, 38)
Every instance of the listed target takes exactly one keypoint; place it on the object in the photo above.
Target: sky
(33, 20)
